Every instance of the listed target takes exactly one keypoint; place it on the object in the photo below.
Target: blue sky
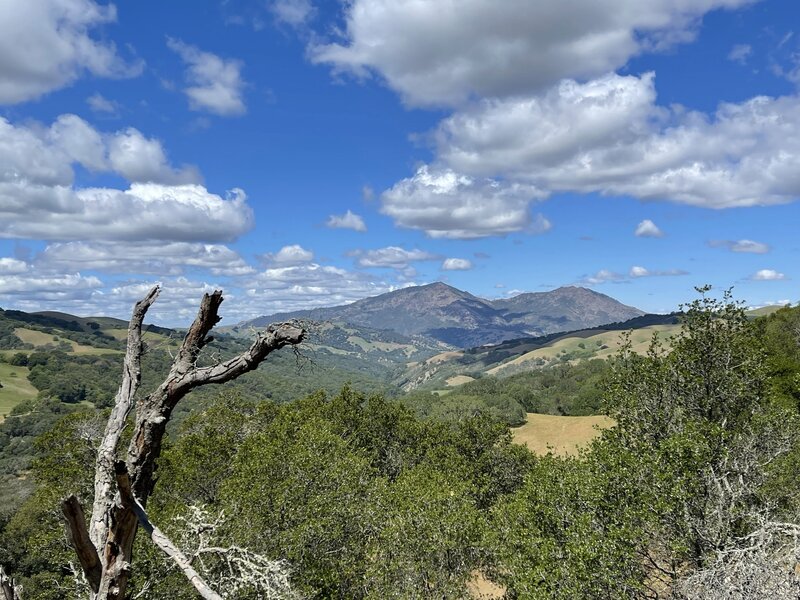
(299, 153)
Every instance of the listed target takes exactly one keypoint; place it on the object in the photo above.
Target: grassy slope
(594, 344)
(15, 389)
(39, 338)
(562, 435)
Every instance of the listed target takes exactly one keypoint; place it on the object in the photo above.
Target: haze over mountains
(458, 318)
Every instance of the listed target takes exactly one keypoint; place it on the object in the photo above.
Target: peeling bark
(114, 519)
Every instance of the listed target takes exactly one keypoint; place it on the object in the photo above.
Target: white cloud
(637, 272)
(288, 256)
(767, 275)
(648, 229)
(456, 264)
(39, 201)
(741, 246)
(146, 211)
(603, 276)
(349, 220)
(170, 258)
(439, 52)
(47, 44)
(215, 84)
(609, 136)
(292, 12)
(308, 285)
(100, 104)
(138, 158)
(53, 286)
(740, 53)
(391, 257)
(12, 266)
(446, 204)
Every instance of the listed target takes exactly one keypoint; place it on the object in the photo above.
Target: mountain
(563, 309)
(458, 318)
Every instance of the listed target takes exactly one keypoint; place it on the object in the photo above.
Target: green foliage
(565, 389)
(362, 498)
(780, 334)
(34, 535)
(699, 457)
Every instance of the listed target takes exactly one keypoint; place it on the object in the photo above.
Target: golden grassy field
(560, 435)
(602, 345)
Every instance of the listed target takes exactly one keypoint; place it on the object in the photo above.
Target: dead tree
(9, 587)
(122, 487)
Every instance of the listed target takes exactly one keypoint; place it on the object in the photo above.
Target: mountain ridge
(456, 317)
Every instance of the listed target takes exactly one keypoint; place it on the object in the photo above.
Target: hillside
(452, 368)
(458, 318)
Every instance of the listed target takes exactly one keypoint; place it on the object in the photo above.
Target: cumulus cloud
(47, 44)
(608, 135)
(39, 201)
(456, 264)
(138, 158)
(215, 84)
(309, 285)
(288, 256)
(767, 275)
(145, 211)
(50, 286)
(648, 229)
(391, 257)
(349, 220)
(740, 246)
(446, 204)
(170, 258)
(12, 266)
(437, 52)
(42, 155)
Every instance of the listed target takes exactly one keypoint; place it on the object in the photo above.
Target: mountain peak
(450, 315)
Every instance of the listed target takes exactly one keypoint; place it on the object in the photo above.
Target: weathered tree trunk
(9, 587)
(121, 490)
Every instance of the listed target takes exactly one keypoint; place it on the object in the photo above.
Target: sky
(301, 153)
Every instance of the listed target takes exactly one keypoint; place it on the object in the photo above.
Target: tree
(710, 437)
(122, 487)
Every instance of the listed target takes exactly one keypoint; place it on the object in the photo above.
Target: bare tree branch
(80, 541)
(119, 502)
(123, 402)
(158, 537)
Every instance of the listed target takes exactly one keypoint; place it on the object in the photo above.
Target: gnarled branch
(119, 502)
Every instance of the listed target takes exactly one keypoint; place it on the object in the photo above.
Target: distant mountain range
(452, 316)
